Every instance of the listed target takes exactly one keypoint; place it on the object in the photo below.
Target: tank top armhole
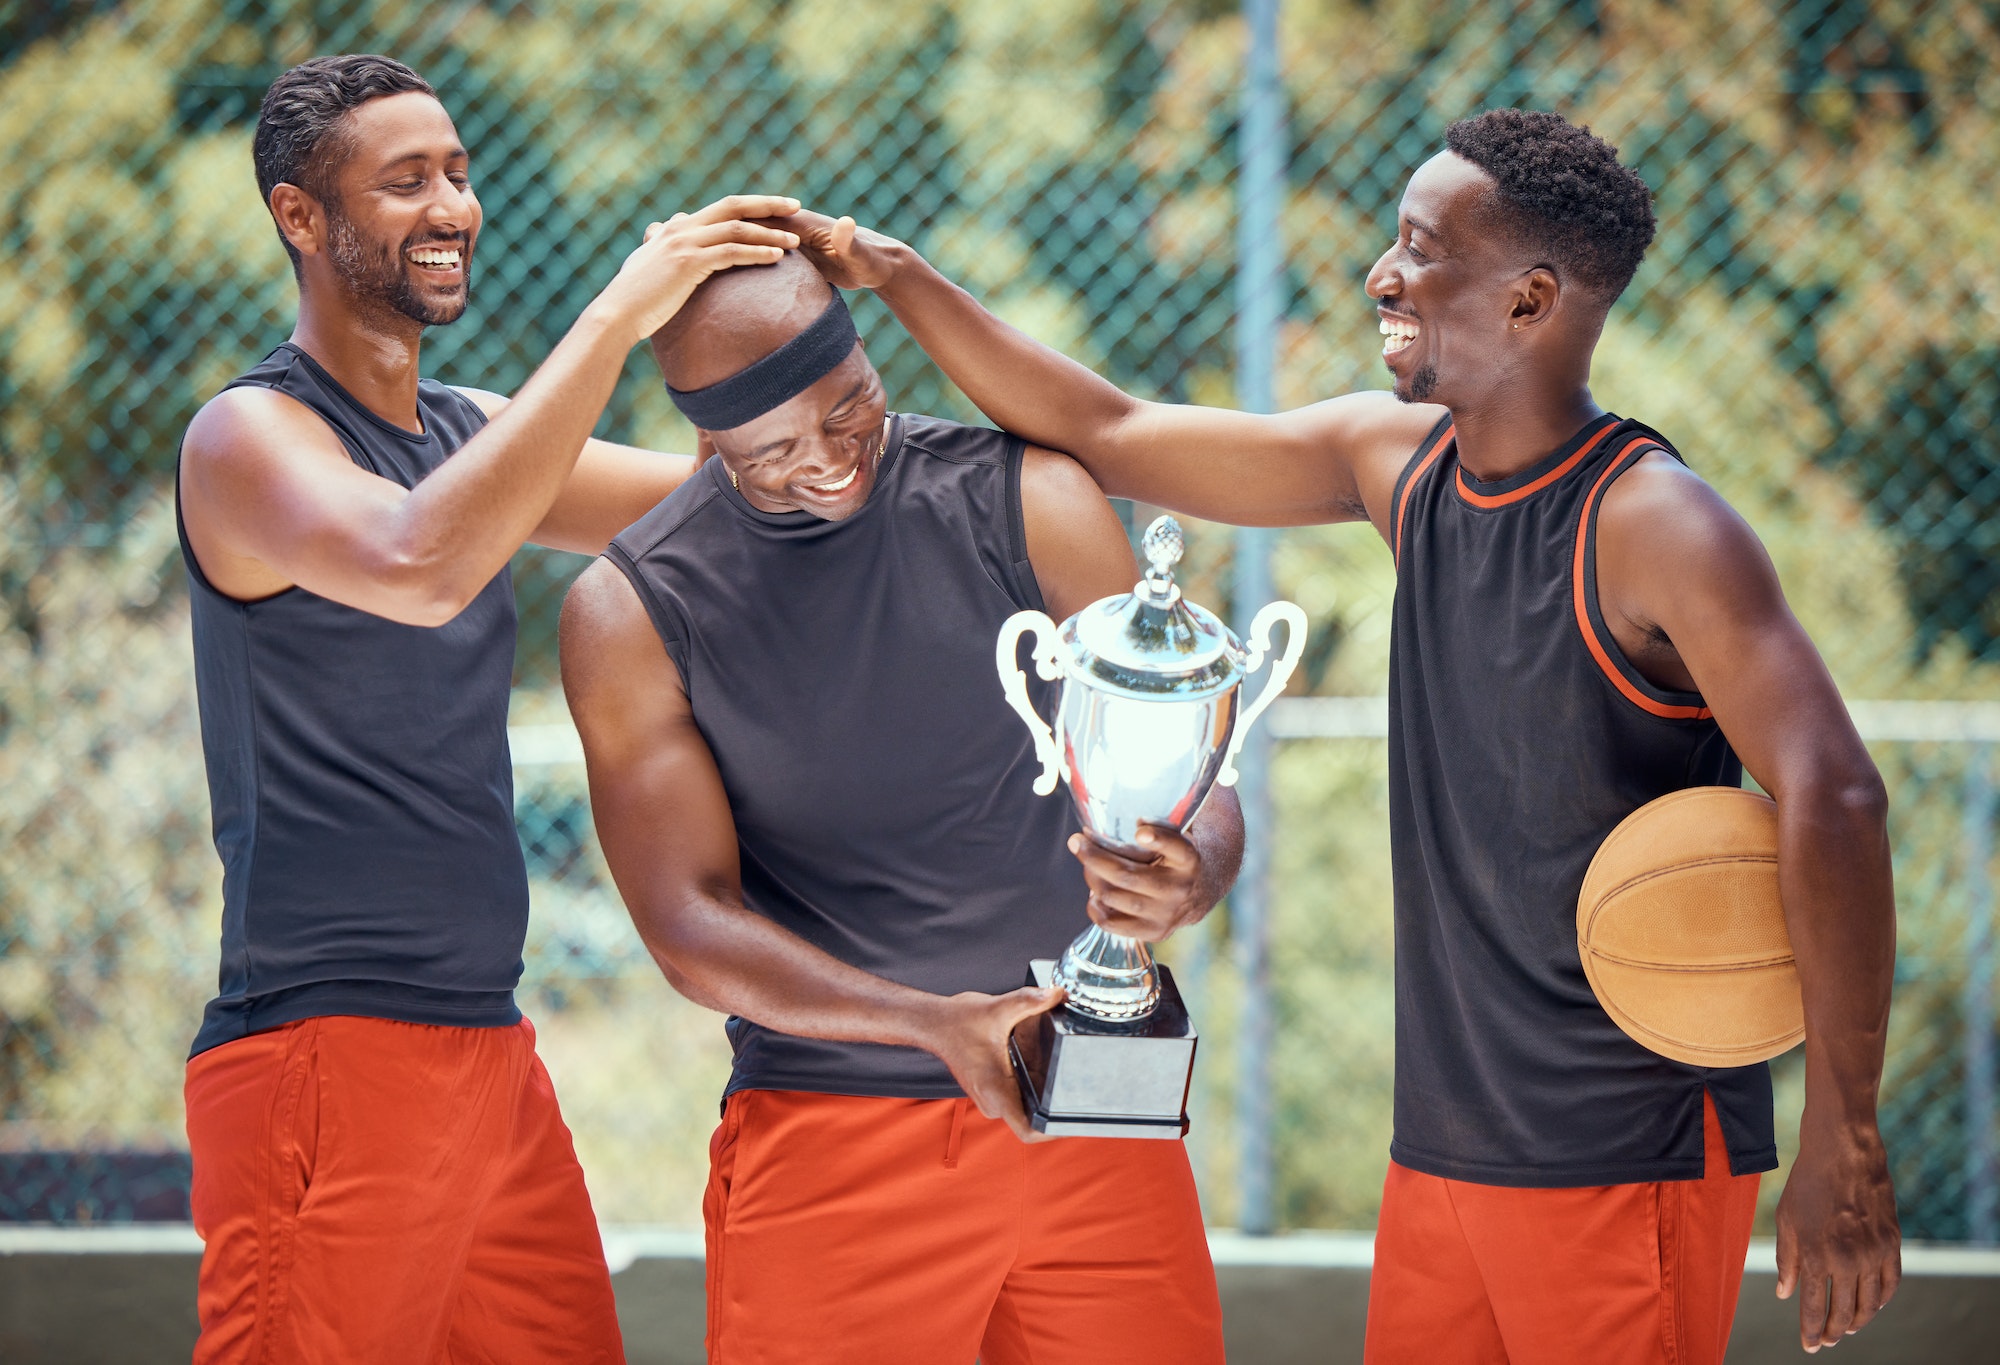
(1022, 585)
(1597, 637)
(667, 622)
(1414, 469)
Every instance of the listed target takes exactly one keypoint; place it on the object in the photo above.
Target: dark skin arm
(1333, 461)
(650, 769)
(1694, 602)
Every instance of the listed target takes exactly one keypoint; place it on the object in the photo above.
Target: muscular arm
(1079, 553)
(651, 771)
(610, 487)
(1333, 461)
(272, 500)
(1676, 563)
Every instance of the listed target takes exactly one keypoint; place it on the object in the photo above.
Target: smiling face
(817, 451)
(1450, 291)
(401, 217)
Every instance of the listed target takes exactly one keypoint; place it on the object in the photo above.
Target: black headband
(778, 378)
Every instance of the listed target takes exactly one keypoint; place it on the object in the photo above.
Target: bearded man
(380, 1169)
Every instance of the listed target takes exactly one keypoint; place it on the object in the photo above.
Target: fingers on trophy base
(1084, 1077)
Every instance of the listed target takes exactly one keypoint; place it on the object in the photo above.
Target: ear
(300, 218)
(1533, 299)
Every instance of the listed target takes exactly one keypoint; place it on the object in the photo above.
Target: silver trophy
(1147, 723)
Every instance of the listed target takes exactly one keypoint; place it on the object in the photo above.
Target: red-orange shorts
(844, 1229)
(372, 1191)
(1643, 1274)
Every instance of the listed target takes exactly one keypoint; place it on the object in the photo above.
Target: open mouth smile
(439, 259)
(852, 474)
(1397, 334)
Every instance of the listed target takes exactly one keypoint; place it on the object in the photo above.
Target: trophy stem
(1109, 977)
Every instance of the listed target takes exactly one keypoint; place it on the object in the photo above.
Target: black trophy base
(1082, 1077)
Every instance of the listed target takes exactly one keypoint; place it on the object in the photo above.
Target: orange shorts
(1642, 1274)
(372, 1191)
(845, 1229)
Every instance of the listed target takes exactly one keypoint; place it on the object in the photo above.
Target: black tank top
(358, 775)
(1519, 736)
(883, 792)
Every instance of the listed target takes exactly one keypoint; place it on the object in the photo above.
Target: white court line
(627, 1243)
(1959, 722)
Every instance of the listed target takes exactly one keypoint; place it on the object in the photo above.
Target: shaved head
(736, 317)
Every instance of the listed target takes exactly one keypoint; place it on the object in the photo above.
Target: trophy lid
(1151, 642)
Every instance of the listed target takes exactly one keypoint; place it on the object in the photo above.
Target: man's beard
(1422, 385)
(376, 276)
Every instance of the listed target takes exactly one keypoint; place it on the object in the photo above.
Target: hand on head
(849, 257)
(680, 253)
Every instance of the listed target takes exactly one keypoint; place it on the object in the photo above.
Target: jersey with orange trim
(1519, 736)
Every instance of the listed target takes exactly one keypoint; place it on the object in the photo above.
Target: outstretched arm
(650, 770)
(1078, 550)
(1333, 461)
(272, 500)
(1674, 558)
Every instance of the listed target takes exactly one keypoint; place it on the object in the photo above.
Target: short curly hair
(301, 138)
(1563, 191)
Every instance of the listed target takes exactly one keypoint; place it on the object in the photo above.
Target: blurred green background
(1818, 328)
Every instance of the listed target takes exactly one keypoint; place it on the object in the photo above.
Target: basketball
(1682, 934)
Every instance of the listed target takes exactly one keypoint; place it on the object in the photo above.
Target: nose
(1383, 280)
(452, 207)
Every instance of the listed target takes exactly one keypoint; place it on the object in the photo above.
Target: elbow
(422, 591)
(1851, 800)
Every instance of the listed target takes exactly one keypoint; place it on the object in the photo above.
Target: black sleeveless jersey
(1519, 736)
(358, 774)
(883, 792)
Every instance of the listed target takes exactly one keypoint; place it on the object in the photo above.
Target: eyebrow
(757, 452)
(455, 154)
(1419, 225)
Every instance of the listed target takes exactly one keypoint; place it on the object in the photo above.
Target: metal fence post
(1259, 276)
(1982, 1170)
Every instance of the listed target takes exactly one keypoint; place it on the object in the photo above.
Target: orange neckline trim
(1665, 710)
(1503, 499)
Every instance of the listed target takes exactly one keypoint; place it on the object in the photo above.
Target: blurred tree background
(1818, 328)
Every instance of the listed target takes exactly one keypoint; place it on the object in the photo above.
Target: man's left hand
(1839, 1244)
(1143, 899)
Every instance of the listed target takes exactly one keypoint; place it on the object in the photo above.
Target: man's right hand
(969, 1034)
(680, 253)
(849, 257)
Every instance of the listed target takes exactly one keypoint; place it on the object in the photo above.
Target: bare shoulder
(486, 401)
(244, 426)
(1375, 434)
(1664, 530)
(1660, 505)
(1076, 543)
(601, 605)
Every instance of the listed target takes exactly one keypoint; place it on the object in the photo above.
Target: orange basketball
(1682, 934)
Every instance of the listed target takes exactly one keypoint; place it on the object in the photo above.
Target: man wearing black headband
(821, 815)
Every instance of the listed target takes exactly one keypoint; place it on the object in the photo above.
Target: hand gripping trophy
(1146, 724)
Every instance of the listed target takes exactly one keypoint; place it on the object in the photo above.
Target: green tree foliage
(1814, 328)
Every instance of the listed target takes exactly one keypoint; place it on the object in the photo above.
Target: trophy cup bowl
(1147, 724)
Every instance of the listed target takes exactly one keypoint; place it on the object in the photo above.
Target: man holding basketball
(380, 1170)
(1581, 625)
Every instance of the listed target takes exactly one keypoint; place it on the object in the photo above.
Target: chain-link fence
(1818, 327)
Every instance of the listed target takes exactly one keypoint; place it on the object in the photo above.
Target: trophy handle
(1014, 683)
(1281, 671)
